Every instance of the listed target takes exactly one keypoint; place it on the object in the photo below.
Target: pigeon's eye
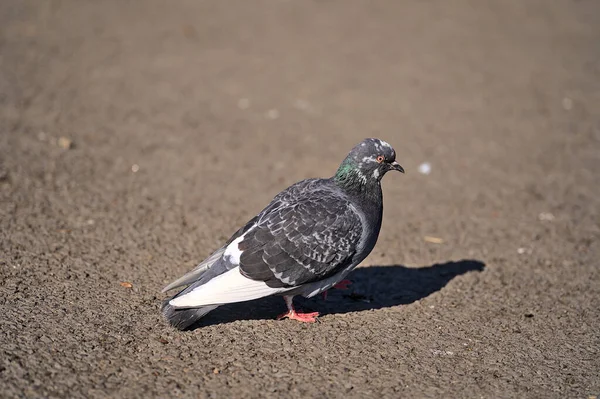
(380, 158)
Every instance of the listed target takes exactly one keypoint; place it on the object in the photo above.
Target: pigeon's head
(368, 162)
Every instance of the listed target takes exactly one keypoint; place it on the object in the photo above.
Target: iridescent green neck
(348, 176)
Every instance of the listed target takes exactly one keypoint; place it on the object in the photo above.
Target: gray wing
(302, 240)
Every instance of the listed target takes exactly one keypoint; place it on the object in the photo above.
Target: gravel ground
(136, 137)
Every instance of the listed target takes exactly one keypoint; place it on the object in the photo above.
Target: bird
(306, 241)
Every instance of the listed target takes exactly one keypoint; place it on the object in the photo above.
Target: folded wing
(304, 241)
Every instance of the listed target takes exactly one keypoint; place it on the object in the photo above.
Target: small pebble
(65, 143)
(433, 240)
(425, 168)
(567, 103)
(135, 168)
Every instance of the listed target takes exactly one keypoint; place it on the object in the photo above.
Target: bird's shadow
(373, 287)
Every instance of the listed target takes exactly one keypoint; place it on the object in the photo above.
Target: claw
(302, 317)
(293, 315)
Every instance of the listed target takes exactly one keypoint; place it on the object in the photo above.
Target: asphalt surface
(136, 137)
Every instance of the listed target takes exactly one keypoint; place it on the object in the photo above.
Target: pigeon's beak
(396, 166)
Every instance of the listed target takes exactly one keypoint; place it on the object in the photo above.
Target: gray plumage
(305, 241)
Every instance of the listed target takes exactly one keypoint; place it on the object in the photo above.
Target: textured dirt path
(179, 121)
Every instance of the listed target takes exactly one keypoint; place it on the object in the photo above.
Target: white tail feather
(229, 287)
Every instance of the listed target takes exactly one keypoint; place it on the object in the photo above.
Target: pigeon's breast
(371, 224)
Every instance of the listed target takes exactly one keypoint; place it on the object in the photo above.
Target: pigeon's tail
(183, 319)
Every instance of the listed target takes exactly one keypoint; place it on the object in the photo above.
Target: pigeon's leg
(293, 315)
(342, 285)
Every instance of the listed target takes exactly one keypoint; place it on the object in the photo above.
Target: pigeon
(304, 242)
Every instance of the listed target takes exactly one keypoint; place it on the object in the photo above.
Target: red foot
(302, 317)
(342, 285)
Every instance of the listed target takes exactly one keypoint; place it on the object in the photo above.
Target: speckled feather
(307, 234)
